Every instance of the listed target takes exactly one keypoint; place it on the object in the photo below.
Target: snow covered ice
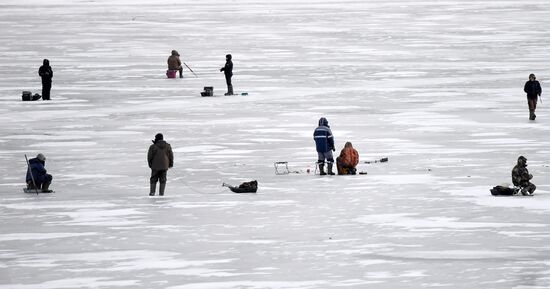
(435, 86)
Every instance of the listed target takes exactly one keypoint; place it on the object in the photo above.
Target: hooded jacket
(174, 62)
(228, 67)
(520, 174)
(45, 72)
(160, 155)
(532, 88)
(349, 157)
(38, 172)
(324, 142)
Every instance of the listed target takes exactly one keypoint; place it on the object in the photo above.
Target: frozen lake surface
(435, 86)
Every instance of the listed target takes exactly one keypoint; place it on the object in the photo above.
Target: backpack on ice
(503, 191)
(246, 187)
(27, 96)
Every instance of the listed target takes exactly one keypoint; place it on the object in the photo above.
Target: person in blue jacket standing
(324, 142)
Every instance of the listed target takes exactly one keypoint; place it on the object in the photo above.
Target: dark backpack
(246, 187)
(503, 191)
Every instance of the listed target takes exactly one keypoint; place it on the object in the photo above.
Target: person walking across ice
(521, 177)
(533, 90)
(324, 143)
(39, 179)
(228, 71)
(160, 158)
(46, 73)
(174, 63)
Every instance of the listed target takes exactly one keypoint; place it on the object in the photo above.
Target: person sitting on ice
(348, 160)
(39, 178)
(521, 177)
(174, 63)
(324, 144)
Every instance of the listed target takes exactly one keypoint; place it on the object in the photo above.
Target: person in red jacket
(348, 160)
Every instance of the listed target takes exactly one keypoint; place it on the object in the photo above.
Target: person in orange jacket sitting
(348, 160)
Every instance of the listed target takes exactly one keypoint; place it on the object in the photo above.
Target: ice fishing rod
(30, 172)
(190, 187)
(190, 69)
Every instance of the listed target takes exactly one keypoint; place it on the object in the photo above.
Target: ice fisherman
(533, 90)
(39, 179)
(324, 143)
(46, 73)
(160, 158)
(521, 177)
(174, 63)
(347, 162)
(228, 72)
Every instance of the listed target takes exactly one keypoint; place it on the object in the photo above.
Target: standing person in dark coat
(174, 62)
(160, 158)
(228, 71)
(522, 178)
(324, 143)
(40, 179)
(533, 90)
(46, 73)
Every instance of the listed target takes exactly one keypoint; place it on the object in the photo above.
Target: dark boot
(161, 189)
(330, 169)
(45, 187)
(532, 114)
(153, 189)
(322, 169)
(229, 90)
(181, 72)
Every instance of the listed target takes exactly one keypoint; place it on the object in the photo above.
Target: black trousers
(158, 176)
(46, 87)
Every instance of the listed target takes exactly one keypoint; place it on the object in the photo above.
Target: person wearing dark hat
(174, 63)
(46, 73)
(324, 144)
(533, 90)
(37, 176)
(160, 158)
(521, 177)
(228, 72)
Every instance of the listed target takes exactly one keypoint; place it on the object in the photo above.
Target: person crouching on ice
(39, 178)
(174, 63)
(348, 160)
(324, 143)
(521, 177)
(160, 158)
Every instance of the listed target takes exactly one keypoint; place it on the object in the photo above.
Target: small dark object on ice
(382, 160)
(28, 96)
(362, 173)
(208, 91)
(246, 187)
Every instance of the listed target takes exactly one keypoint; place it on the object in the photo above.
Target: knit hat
(41, 157)
(159, 136)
